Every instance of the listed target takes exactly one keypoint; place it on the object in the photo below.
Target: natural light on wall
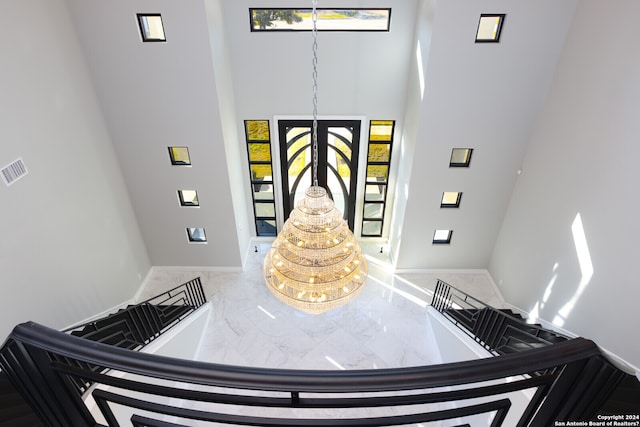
(534, 314)
(420, 70)
(586, 269)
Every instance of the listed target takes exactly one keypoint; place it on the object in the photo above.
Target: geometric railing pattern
(499, 331)
(562, 381)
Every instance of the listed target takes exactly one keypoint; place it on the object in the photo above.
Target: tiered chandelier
(315, 264)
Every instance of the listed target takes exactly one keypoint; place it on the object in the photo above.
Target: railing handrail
(570, 379)
(254, 378)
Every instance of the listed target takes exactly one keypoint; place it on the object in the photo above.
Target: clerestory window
(328, 19)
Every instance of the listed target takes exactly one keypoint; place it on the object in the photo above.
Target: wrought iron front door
(338, 143)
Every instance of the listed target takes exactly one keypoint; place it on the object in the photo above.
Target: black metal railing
(499, 331)
(44, 363)
(562, 381)
(137, 325)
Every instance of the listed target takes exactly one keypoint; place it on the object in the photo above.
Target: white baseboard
(496, 289)
(143, 285)
(482, 271)
(195, 268)
(616, 360)
(441, 270)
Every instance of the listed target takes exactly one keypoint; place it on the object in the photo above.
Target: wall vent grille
(13, 172)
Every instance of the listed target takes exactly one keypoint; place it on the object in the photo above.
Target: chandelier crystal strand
(315, 264)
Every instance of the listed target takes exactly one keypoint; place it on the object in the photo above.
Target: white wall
(582, 161)
(235, 149)
(486, 97)
(70, 246)
(404, 149)
(359, 73)
(156, 95)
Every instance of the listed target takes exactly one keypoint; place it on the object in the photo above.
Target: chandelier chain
(315, 264)
(314, 131)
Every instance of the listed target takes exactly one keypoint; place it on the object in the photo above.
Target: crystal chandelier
(315, 264)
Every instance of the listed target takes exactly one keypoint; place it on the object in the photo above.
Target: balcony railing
(562, 381)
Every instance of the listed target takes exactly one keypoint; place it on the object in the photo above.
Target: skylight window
(328, 19)
(151, 27)
(489, 28)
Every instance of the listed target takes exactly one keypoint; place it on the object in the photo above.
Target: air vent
(13, 172)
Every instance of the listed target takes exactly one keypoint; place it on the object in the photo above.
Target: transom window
(328, 19)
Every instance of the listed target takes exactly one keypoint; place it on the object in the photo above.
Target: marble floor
(383, 327)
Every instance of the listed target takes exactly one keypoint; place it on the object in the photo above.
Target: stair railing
(497, 331)
(43, 363)
(138, 325)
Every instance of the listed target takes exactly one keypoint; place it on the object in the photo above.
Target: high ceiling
(213, 72)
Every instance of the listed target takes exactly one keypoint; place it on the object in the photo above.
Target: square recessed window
(196, 235)
(379, 153)
(450, 199)
(188, 198)
(375, 192)
(373, 210)
(379, 173)
(179, 156)
(460, 157)
(381, 130)
(489, 28)
(266, 227)
(265, 209)
(151, 27)
(442, 237)
(371, 228)
(257, 130)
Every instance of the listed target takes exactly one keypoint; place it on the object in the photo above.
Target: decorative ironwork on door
(338, 144)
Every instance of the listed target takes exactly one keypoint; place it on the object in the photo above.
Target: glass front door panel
(337, 149)
(298, 140)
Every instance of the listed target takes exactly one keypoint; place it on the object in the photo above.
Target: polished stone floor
(383, 327)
